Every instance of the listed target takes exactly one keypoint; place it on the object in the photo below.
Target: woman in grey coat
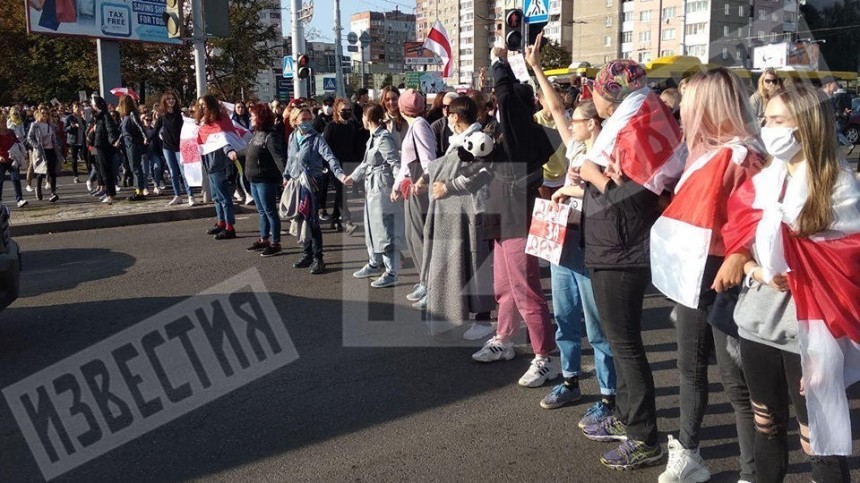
(383, 219)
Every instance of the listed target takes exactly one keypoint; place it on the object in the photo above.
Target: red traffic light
(514, 19)
(303, 61)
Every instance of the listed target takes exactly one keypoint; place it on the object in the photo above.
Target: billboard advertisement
(414, 53)
(138, 20)
(787, 54)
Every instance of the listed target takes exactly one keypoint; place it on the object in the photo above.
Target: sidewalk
(78, 210)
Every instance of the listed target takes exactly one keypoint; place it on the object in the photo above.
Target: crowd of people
(738, 206)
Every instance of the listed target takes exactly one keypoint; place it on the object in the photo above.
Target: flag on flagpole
(822, 277)
(437, 42)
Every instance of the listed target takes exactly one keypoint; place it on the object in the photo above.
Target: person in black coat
(169, 127)
(75, 126)
(264, 165)
(104, 140)
(342, 135)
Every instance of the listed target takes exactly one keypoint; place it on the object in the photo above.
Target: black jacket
(321, 122)
(343, 139)
(170, 126)
(442, 135)
(132, 129)
(106, 132)
(75, 135)
(616, 225)
(264, 160)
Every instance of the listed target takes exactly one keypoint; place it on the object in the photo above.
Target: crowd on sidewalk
(738, 208)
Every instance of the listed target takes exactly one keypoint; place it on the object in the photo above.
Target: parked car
(852, 130)
(10, 262)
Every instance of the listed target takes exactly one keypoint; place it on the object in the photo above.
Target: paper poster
(547, 231)
(518, 65)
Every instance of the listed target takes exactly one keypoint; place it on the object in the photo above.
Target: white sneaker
(156, 191)
(47, 185)
(108, 200)
(22, 203)
(249, 201)
(118, 189)
(494, 350)
(145, 192)
(29, 188)
(191, 201)
(684, 465)
(541, 370)
(89, 185)
(76, 180)
(237, 196)
(175, 201)
(478, 331)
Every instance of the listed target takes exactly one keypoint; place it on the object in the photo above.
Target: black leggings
(104, 162)
(774, 376)
(51, 158)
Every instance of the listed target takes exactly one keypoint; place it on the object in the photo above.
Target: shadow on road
(46, 271)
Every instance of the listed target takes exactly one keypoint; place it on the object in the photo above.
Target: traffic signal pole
(300, 85)
(338, 65)
(199, 43)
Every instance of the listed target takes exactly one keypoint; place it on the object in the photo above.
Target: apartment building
(266, 79)
(388, 32)
(716, 31)
(559, 28)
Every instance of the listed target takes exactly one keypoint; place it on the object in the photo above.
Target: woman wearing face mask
(383, 218)
(308, 152)
(342, 136)
(797, 315)
(687, 244)
(572, 294)
(394, 121)
(418, 150)
(323, 118)
(238, 178)
(768, 84)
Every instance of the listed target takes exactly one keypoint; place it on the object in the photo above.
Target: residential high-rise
(265, 85)
(388, 32)
(596, 27)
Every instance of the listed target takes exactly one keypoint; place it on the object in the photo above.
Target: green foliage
(554, 56)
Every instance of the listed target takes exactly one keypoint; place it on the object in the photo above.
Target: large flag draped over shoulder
(822, 276)
(437, 42)
(643, 136)
(681, 237)
(189, 153)
(214, 136)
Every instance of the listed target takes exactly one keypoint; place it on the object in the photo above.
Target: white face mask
(780, 142)
(328, 110)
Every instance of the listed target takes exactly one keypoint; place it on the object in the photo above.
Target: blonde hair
(296, 113)
(715, 110)
(816, 127)
(762, 90)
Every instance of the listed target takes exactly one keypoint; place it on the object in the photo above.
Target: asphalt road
(366, 400)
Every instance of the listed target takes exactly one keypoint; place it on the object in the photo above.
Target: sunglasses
(770, 81)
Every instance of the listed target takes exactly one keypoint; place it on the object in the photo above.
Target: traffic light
(173, 18)
(514, 29)
(302, 66)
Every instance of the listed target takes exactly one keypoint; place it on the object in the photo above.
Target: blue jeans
(573, 298)
(153, 169)
(16, 179)
(266, 198)
(177, 176)
(222, 195)
(135, 158)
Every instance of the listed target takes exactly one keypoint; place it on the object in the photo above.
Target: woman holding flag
(800, 216)
(219, 141)
(689, 262)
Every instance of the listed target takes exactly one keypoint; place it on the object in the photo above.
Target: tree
(554, 56)
(235, 61)
(836, 26)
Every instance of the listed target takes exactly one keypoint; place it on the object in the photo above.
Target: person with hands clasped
(264, 164)
(722, 138)
(383, 217)
(797, 312)
(572, 294)
(307, 152)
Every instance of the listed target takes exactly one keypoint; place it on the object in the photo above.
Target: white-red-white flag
(437, 42)
(822, 276)
(217, 135)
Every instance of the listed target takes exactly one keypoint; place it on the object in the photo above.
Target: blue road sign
(329, 84)
(289, 67)
(536, 11)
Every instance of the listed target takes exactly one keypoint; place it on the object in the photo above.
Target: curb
(129, 219)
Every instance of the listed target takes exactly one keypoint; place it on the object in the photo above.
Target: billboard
(414, 53)
(787, 54)
(138, 20)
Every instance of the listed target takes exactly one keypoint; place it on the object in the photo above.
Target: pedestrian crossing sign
(537, 11)
(329, 84)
